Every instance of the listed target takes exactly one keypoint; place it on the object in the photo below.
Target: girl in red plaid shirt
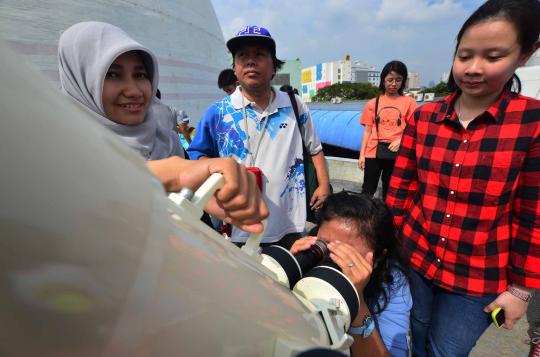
(465, 189)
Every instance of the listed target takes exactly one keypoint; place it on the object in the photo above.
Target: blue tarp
(340, 128)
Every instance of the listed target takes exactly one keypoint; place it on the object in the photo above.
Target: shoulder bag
(310, 173)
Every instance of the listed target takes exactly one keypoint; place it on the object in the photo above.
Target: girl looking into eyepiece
(361, 239)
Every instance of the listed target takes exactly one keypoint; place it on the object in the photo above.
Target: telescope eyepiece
(313, 256)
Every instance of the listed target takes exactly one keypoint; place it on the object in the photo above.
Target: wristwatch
(519, 294)
(366, 329)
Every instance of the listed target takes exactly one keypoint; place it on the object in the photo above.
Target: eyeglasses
(394, 80)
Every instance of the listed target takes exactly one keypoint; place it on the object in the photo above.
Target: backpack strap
(294, 104)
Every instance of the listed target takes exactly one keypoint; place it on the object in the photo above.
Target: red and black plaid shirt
(467, 201)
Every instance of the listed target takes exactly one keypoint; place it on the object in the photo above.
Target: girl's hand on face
(394, 145)
(302, 244)
(356, 267)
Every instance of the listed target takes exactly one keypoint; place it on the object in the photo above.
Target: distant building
(445, 76)
(343, 71)
(315, 78)
(289, 74)
(413, 81)
(364, 73)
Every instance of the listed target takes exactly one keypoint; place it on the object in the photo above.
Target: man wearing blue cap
(257, 126)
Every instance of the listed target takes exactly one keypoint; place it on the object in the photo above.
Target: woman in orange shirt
(383, 131)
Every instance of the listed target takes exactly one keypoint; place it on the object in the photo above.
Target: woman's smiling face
(127, 90)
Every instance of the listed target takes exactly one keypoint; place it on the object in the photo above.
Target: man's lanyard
(265, 119)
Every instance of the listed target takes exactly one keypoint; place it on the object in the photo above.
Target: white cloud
(418, 32)
(418, 11)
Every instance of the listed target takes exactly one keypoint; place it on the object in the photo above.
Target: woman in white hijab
(86, 52)
(116, 78)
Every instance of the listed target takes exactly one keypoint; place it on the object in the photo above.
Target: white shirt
(222, 132)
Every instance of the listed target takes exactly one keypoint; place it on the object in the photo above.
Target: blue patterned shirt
(274, 146)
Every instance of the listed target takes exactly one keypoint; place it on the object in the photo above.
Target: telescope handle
(199, 199)
(252, 245)
(194, 202)
(207, 190)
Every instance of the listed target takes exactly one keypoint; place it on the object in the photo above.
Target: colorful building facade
(325, 74)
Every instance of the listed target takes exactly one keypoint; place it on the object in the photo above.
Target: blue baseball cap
(251, 35)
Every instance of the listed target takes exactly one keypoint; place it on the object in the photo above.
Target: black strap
(294, 106)
(297, 115)
(305, 152)
(377, 118)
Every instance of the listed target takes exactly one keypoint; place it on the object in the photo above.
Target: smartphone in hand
(497, 316)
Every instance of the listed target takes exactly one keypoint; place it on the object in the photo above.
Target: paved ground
(494, 342)
(517, 342)
(339, 185)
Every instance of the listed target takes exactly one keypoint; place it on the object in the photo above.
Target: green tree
(346, 91)
(440, 90)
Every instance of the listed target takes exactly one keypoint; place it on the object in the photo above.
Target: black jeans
(372, 172)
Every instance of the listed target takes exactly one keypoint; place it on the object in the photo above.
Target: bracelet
(520, 295)
(366, 329)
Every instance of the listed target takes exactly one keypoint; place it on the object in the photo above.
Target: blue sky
(420, 33)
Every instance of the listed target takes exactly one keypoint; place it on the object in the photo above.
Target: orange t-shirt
(390, 110)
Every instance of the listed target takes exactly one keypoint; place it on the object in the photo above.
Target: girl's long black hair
(398, 67)
(375, 223)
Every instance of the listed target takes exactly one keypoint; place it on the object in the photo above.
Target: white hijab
(85, 52)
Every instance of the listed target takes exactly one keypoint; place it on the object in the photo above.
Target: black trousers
(375, 168)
